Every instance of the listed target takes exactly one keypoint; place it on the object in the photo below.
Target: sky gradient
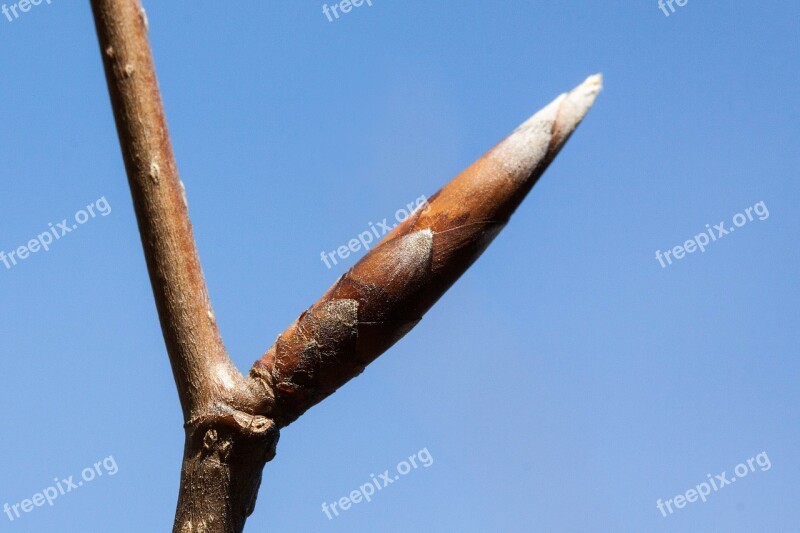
(566, 383)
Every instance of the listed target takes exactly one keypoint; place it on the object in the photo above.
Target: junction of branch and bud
(232, 421)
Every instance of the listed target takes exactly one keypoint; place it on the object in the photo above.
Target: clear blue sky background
(565, 383)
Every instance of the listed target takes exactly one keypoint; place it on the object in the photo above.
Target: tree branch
(226, 445)
(232, 422)
(385, 294)
(201, 367)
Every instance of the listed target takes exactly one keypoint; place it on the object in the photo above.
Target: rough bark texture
(232, 421)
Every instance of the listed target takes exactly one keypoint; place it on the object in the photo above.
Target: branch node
(155, 172)
(210, 439)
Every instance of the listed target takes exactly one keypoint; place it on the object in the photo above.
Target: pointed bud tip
(593, 83)
(589, 89)
(542, 135)
(577, 103)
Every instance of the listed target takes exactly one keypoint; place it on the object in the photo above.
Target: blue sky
(565, 383)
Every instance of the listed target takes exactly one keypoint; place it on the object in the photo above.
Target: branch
(386, 294)
(202, 368)
(232, 422)
(226, 445)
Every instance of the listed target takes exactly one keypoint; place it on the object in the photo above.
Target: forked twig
(231, 420)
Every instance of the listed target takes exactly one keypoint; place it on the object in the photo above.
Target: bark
(232, 421)
(227, 444)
